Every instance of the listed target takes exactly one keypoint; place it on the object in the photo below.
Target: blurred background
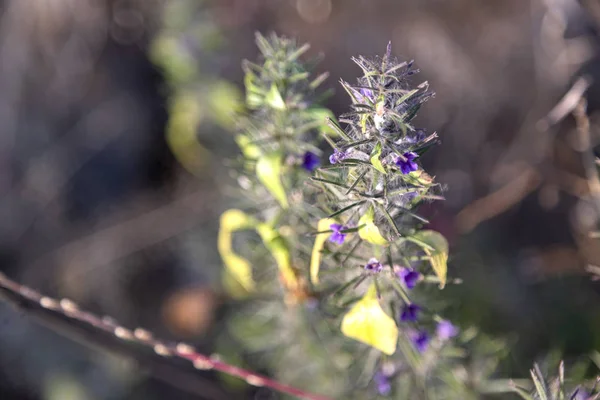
(115, 124)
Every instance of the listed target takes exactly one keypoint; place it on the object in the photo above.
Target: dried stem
(587, 153)
(64, 307)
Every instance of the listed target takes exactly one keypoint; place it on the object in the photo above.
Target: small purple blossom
(337, 156)
(310, 161)
(383, 383)
(410, 196)
(409, 276)
(409, 313)
(445, 330)
(374, 266)
(363, 94)
(368, 93)
(409, 165)
(420, 339)
(337, 236)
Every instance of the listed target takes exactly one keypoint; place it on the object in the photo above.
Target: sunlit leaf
(368, 323)
(268, 171)
(435, 246)
(238, 268)
(249, 149)
(320, 239)
(254, 94)
(369, 231)
(186, 114)
(375, 158)
(274, 98)
(279, 249)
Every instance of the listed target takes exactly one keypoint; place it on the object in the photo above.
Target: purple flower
(409, 276)
(445, 330)
(383, 383)
(419, 339)
(337, 156)
(409, 313)
(363, 94)
(374, 266)
(310, 161)
(409, 165)
(410, 196)
(368, 93)
(337, 236)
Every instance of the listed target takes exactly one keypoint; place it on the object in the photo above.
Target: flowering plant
(343, 238)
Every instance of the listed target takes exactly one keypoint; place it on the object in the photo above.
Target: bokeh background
(115, 124)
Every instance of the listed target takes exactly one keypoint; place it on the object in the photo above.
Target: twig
(529, 180)
(567, 104)
(587, 153)
(71, 311)
(501, 200)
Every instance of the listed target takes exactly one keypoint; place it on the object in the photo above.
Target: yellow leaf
(370, 232)
(268, 171)
(186, 113)
(280, 251)
(249, 150)
(254, 94)
(368, 323)
(237, 279)
(315, 259)
(238, 267)
(274, 98)
(375, 161)
(435, 246)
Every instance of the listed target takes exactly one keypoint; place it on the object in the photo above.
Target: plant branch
(29, 299)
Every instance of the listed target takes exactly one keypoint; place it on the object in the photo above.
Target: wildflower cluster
(363, 206)
(372, 188)
(341, 269)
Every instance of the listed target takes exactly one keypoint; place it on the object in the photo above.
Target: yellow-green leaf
(368, 323)
(375, 154)
(249, 150)
(435, 246)
(254, 94)
(186, 113)
(369, 231)
(278, 247)
(238, 267)
(274, 98)
(320, 239)
(268, 171)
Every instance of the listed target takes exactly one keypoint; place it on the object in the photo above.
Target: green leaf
(370, 232)
(268, 171)
(435, 246)
(274, 98)
(368, 323)
(315, 258)
(238, 268)
(375, 154)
